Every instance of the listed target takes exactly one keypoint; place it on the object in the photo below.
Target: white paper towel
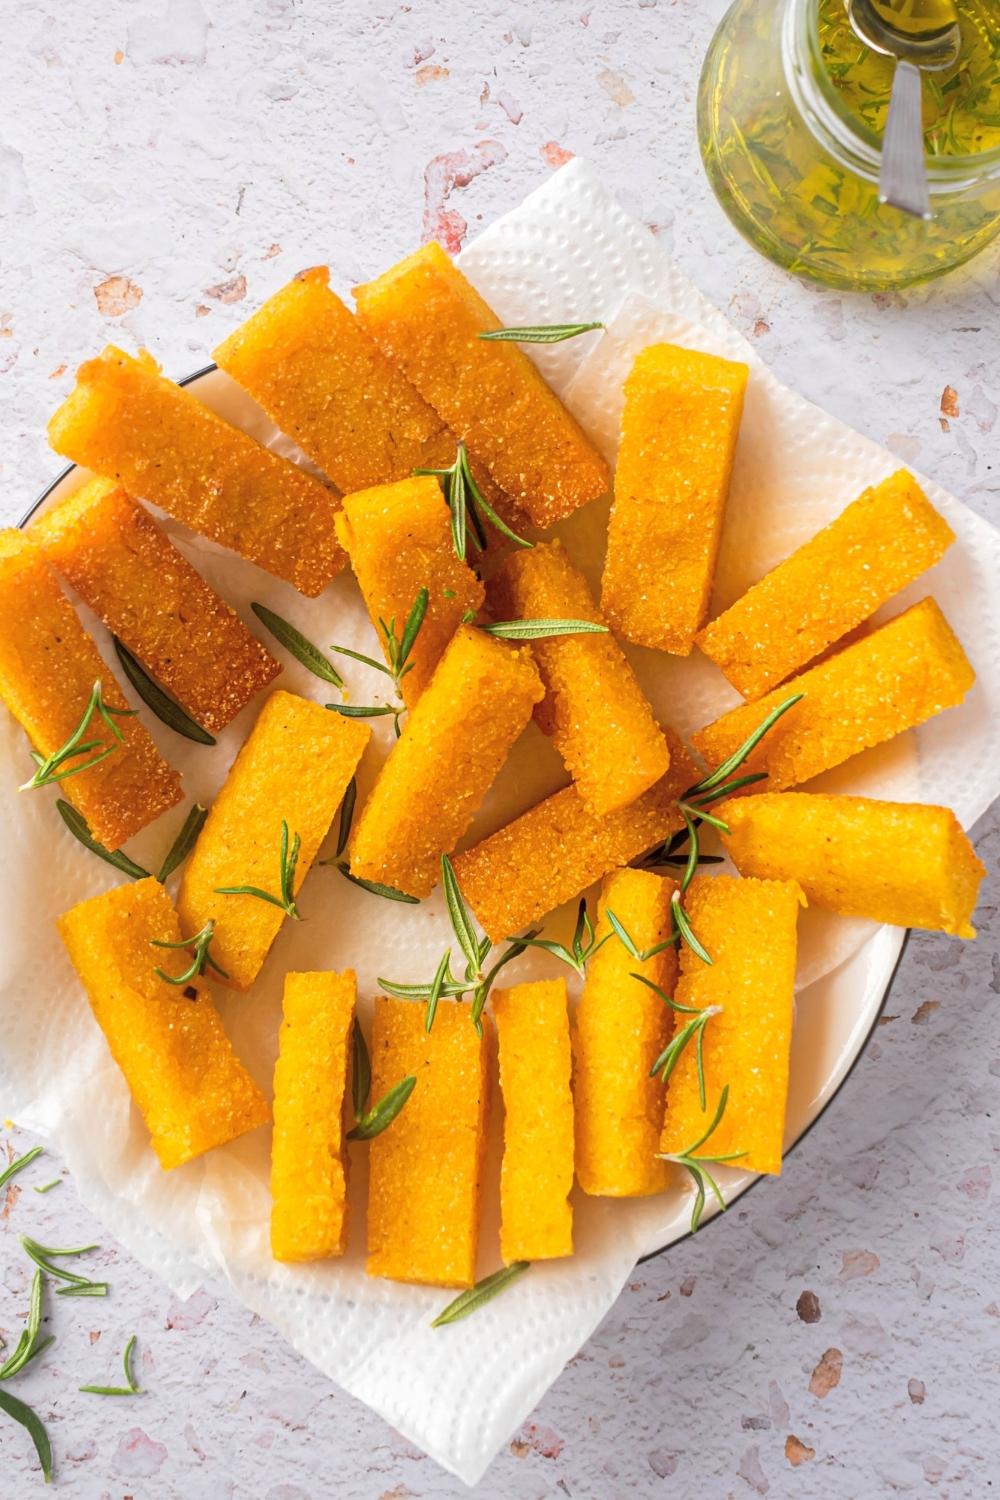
(569, 252)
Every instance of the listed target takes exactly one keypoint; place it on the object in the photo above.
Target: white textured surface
(135, 171)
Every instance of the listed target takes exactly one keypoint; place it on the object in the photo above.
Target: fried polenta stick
(426, 316)
(880, 543)
(190, 1087)
(48, 668)
(425, 1170)
(127, 422)
(679, 429)
(308, 1181)
(128, 571)
(899, 862)
(293, 769)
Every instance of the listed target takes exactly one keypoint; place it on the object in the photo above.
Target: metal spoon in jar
(929, 44)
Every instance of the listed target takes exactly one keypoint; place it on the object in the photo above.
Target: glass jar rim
(840, 135)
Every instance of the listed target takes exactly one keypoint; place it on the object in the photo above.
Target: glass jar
(790, 133)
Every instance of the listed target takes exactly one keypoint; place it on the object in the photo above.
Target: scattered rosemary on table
(308, 655)
(540, 630)
(287, 861)
(18, 1165)
(484, 1291)
(202, 958)
(468, 505)
(397, 650)
(52, 768)
(34, 1427)
(128, 1389)
(548, 333)
(697, 1166)
(47, 1187)
(166, 709)
(45, 1256)
(29, 1345)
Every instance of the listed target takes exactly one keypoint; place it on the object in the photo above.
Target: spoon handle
(903, 178)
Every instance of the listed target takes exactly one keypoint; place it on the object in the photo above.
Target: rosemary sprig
(629, 944)
(50, 768)
(550, 333)
(166, 709)
(484, 1291)
(697, 1166)
(18, 1165)
(381, 1115)
(80, 829)
(468, 505)
(287, 861)
(28, 1345)
(34, 1427)
(183, 843)
(693, 1029)
(202, 959)
(540, 630)
(45, 1256)
(583, 944)
(397, 651)
(374, 887)
(128, 1389)
(361, 1069)
(308, 655)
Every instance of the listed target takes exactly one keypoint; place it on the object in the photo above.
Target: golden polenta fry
(679, 429)
(899, 862)
(448, 756)
(308, 1180)
(899, 676)
(536, 1178)
(48, 668)
(293, 769)
(189, 1086)
(127, 422)
(555, 850)
(128, 571)
(398, 537)
(622, 1027)
(425, 1170)
(880, 543)
(593, 710)
(426, 316)
(749, 930)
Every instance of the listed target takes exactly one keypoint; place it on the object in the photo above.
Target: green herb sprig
(546, 333)
(477, 1296)
(583, 944)
(183, 843)
(52, 768)
(374, 887)
(166, 709)
(305, 653)
(18, 1165)
(397, 651)
(201, 959)
(130, 1388)
(45, 1257)
(372, 1122)
(80, 829)
(697, 1166)
(29, 1345)
(540, 630)
(35, 1428)
(287, 861)
(468, 505)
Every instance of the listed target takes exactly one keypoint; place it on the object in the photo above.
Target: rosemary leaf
(199, 945)
(128, 1389)
(460, 918)
(26, 1344)
(358, 711)
(183, 843)
(551, 333)
(484, 1291)
(18, 1165)
(733, 762)
(411, 630)
(84, 1289)
(346, 816)
(47, 1187)
(437, 985)
(482, 990)
(286, 876)
(308, 655)
(368, 661)
(361, 1069)
(48, 768)
(79, 828)
(687, 931)
(384, 1112)
(164, 707)
(540, 630)
(468, 504)
(34, 1427)
(376, 888)
(44, 1257)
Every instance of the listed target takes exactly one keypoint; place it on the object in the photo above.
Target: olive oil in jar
(791, 112)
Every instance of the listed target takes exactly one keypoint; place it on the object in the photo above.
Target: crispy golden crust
(679, 429)
(128, 423)
(425, 1170)
(127, 570)
(295, 767)
(902, 674)
(594, 709)
(451, 749)
(426, 316)
(621, 1028)
(749, 929)
(558, 848)
(308, 1178)
(536, 1178)
(880, 543)
(191, 1089)
(899, 862)
(398, 537)
(48, 667)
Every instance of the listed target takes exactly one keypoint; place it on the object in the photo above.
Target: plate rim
(712, 1218)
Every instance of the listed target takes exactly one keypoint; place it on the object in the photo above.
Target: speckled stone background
(164, 165)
